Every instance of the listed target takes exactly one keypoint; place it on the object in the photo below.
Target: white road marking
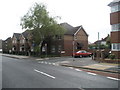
(49, 63)
(70, 67)
(78, 70)
(113, 78)
(53, 63)
(91, 73)
(39, 59)
(44, 73)
(45, 62)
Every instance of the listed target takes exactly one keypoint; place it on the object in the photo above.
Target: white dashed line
(44, 73)
(91, 73)
(78, 70)
(50, 63)
(45, 62)
(39, 59)
(113, 78)
(53, 63)
(70, 67)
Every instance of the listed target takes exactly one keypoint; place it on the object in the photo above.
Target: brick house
(25, 42)
(15, 43)
(74, 39)
(103, 41)
(21, 42)
(7, 45)
(115, 25)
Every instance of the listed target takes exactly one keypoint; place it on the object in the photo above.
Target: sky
(93, 15)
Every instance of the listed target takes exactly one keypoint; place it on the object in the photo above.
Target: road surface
(26, 73)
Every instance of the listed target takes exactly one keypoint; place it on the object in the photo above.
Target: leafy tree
(38, 20)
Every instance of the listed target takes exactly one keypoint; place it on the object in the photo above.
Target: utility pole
(46, 49)
(73, 46)
(98, 53)
(98, 41)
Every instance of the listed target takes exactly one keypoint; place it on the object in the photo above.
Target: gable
(81, 32)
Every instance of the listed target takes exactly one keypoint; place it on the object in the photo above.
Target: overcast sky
(93, 15)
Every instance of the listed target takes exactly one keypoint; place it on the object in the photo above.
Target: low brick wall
(117, 61)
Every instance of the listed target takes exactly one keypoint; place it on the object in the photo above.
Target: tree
(38, 20)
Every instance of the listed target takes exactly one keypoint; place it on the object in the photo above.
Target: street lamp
(46, 49)
(73, 46)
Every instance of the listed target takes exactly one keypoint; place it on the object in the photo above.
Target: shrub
(112, 56)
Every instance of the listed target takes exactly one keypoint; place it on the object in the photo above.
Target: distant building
(0, 45)
(7, 45)
(15, 43)
(103, 41)
(21, 43)
(115, 25)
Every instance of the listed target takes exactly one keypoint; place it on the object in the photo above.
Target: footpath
(92, 65)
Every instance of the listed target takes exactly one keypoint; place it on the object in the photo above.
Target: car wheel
(80, 56)
(90, 55)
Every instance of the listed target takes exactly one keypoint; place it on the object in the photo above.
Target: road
(24, 73)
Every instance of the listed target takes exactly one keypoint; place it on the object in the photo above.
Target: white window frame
(115, 27)
(115, 46)
(53, 49)
(115, 8)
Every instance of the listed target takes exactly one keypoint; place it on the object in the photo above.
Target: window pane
(114, 8)
(115, 27)
(116, 46)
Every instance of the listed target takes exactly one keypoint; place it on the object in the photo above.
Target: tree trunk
(40, 45)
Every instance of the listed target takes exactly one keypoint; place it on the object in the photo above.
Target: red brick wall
(117, 54)
(68, 45)
(115, 37)
(115, 18)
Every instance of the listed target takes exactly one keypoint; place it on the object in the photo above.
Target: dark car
(82, 53)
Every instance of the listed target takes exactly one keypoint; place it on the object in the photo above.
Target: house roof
(103, 39)
(26, 33)
(9, 38)
(17, 35)
(70, 30)
(114, 2)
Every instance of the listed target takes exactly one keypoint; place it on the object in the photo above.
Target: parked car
(82, 53)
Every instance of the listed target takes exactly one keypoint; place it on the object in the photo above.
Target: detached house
(15, 43)
(21, 43)
(25, 44)
(7, 45)
(74, 39)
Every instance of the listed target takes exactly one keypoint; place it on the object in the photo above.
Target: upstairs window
(115, 27)
(115, 46)
(115, 8)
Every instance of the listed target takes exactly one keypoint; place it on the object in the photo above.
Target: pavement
(83, 63)
(93, 65)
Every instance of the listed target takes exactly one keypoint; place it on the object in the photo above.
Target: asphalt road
(24, 73)
(0, 71)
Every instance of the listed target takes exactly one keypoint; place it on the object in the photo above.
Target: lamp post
(46, 49)
(73, 46)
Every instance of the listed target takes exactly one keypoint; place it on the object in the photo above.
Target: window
(115, 46)
(14, 41)
(22, 41)
(115, 8)
(115, 27)
(53, 49)
(59, 48)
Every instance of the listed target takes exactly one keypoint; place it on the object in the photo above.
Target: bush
(112, 56)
